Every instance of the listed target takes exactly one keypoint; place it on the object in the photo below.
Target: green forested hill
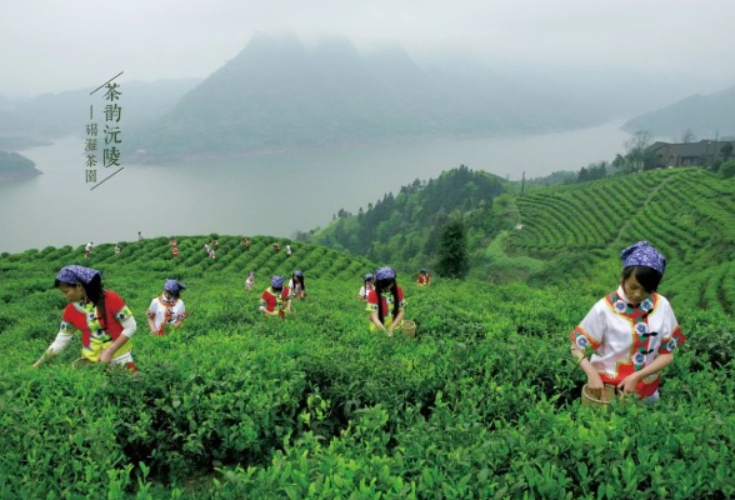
(483, 404)
(571, 231)
(405, 228)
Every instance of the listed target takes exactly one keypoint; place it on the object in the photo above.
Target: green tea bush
(484, 403)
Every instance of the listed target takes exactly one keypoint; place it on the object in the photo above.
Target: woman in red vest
(276, 299)
(103, 318)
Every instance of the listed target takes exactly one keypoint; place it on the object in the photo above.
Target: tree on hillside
(726, 151)
(637, 155)
(688, 136)
(583, 176)
(618, 164)
(453, 256)
(431, 246)
(727, 169)
(592, 172)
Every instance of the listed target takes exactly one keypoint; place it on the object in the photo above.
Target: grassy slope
(686, 213)
(576, 232)
(317, 407)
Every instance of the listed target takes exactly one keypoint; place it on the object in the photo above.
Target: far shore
(19, 174)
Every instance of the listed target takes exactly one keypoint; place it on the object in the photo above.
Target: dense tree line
(408, 226)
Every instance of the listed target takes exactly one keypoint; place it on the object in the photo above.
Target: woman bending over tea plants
(424, 278)
(168, 309)
(385, 303)
(250, 281)
(632, 331)
(276, 299)
(368, 284)
(297, 285)
(101, 315)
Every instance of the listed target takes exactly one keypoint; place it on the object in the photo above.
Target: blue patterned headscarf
(75, 274)
(174, 287)
(643, 254)
(385, 273)
(277, 281)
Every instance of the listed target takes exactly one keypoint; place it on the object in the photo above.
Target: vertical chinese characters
(108, 137)
(90, 148)
(113, 113)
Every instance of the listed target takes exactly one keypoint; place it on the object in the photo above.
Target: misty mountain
(52, 115)
(605, 92)
(279, 94)
(19, 142)
(488, 97)
(706, 116)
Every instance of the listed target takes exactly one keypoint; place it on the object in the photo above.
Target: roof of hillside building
(702, 148)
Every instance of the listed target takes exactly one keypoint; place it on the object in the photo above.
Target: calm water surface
(275, 194)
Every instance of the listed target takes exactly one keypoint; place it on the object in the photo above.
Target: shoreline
(21, 174)
(148, 160)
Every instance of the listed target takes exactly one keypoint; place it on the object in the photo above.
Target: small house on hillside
(704, 152)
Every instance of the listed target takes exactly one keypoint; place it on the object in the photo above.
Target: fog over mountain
(57, 46)
(281, 93)
(53, 115)
(466, 67)
(706, 116)
(278, 93)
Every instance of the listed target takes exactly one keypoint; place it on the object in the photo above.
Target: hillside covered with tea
(484, 403)
(554, 233)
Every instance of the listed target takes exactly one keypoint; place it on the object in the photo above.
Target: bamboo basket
(80, 363)
(409, 328)
(598, 397)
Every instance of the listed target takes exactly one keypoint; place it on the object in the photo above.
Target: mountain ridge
(277, 93)
(706, 116)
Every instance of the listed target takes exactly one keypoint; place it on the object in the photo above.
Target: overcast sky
(55, 45)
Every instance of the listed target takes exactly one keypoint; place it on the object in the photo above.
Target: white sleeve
(129, 326)
(670, 324)
(593, 327)
(62, 340)
(152, 311)
(180, 310)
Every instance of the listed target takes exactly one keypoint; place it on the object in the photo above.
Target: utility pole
(714, 149)
(523, 181)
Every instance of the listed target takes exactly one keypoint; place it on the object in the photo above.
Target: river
(275, 194)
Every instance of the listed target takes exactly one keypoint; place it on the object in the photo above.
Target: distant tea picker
(276, 299)
(368, 285)
(385, 303)
(104, 320)
(250, 281)
(167, 310)
(424, 278)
